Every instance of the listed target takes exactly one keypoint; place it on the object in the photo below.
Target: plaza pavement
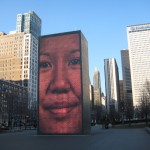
(99, 139)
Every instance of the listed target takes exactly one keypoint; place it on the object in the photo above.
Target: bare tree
(145, 102)
(126, 110)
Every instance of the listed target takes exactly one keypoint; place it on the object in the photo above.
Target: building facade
(13, 102)
(139, 51)
(19, 56)
(91, 93)
(97, 87)
(18, 61)
(111, 85)
(127, 87)
(29, 23)
(97, 94)
(121, 91)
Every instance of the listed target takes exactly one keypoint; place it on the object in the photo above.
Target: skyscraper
(111, 85)
(96, 79)
(127, 88)
(139, 52)
(91, 93)
(97, 93)
(29, 23)
(97, 87)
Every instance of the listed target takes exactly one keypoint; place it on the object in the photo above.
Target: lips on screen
(60, 96)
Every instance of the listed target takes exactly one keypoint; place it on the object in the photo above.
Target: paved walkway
(103, 139)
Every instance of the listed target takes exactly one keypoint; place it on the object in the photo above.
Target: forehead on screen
(60, 42)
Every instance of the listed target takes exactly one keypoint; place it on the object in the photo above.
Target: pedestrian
(106, 123)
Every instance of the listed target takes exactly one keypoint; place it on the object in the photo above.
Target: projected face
(60, 110)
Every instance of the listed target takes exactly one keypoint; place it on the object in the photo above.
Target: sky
(103, 23)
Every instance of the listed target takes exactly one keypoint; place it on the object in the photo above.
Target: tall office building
(127, 88)
(96, 79)
(111, 85)
(91, 91)
(103, 99)
(11, 47)
(97, 87)
(19, 56)
(18, 61)
(121, 91)
(29, 23)
(97, 94)
(139, 52)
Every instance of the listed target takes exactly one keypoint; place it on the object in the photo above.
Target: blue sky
(103, 22)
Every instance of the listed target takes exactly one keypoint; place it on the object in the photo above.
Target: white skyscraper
(139, 53)
(111, 84)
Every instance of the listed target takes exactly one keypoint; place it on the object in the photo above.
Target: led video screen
(60, 90)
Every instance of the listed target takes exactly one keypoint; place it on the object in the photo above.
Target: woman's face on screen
(60, 84)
